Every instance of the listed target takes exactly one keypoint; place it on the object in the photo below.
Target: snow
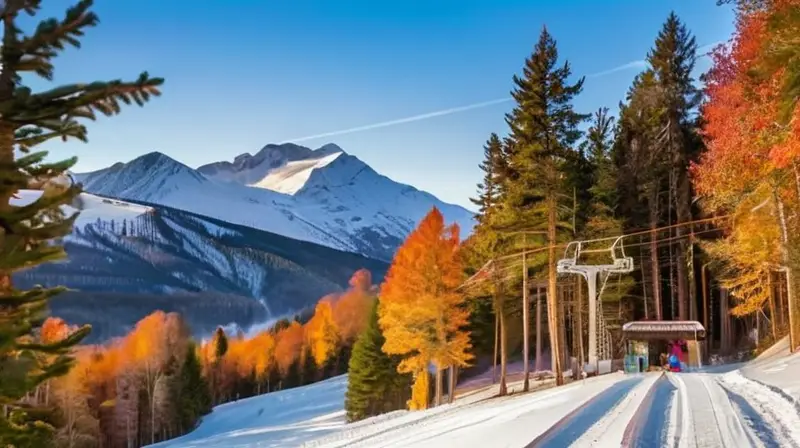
(778, 412)
(279, 419)
(91, 207)
(313, 416)
(716, 406)
(611, 427)
(293, 176)
(324, 196)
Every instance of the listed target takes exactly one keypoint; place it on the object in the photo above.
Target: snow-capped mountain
(126, 260)
(325, 196)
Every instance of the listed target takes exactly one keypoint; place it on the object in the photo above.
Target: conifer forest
(694, 177)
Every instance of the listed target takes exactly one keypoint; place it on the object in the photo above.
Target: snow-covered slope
(93, 208)
(323, 196)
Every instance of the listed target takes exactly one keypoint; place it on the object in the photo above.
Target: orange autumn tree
(744, 134)
(151, 350)
(321, 333)
(288, 346)
(351, 310)
(421, 313)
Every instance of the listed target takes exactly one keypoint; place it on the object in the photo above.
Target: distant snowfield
(708, 409)
(91, 208)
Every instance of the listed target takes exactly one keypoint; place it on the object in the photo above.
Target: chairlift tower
(621, 264)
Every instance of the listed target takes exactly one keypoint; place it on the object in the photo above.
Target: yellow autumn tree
(321, 333)
(749, 253)
(421, 313)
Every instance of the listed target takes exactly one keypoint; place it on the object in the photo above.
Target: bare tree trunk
(525, 322)
(496, 341)
(579, 311)
(538, 329)
(724, 323)
(644, 291)
(655, 274)
(503, 354)
(562, 327)
(552, 308)
(772, 320)
(438, 385)
(684, 257)
(788, 269)
(452, 386)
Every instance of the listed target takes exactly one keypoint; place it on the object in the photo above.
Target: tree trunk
(789, 275)
(500, 314)
(438, 385)
(496, 341)
(552, 308)
(6, 158)
(562, 327)
(724, 322)
(655, 274)
(771, 303)
(684, 257)
(452, 385)
(579, 312)
(644, 291)
(538, 329)
(503, 354)
(525, 323)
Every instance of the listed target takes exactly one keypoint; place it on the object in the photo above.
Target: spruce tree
(29, 234)
(194, 397)
(489, 188)
(487, 243)
(643, 173)
(373, 384)
(672, 60)
(544, 130)
(603, 177)
(310, 372)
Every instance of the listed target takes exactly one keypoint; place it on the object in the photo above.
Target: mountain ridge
(322, 195)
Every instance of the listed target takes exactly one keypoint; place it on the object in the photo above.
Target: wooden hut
(646, 340)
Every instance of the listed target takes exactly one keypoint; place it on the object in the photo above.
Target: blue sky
(257, 72)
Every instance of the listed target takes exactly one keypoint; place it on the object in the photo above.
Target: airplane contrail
(383, 124)
(454, 110)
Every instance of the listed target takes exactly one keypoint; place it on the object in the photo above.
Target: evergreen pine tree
(293, 375)
(672, 61)
(194, 397)
(29, 234)
(544, 129)
(602, 177)
(373, 384)
(489, 188)
(310, 372)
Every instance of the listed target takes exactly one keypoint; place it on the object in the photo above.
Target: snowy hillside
(718, 406)
(139, 257)
(323, 196)
(93, 208)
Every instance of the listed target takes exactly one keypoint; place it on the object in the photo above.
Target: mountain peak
(329, 148)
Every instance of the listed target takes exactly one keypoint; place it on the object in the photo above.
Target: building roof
(664, 329)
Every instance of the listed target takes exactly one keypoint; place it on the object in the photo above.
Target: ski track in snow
(649, 427)
(610, 429)
(778, 412)
(575, 425)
